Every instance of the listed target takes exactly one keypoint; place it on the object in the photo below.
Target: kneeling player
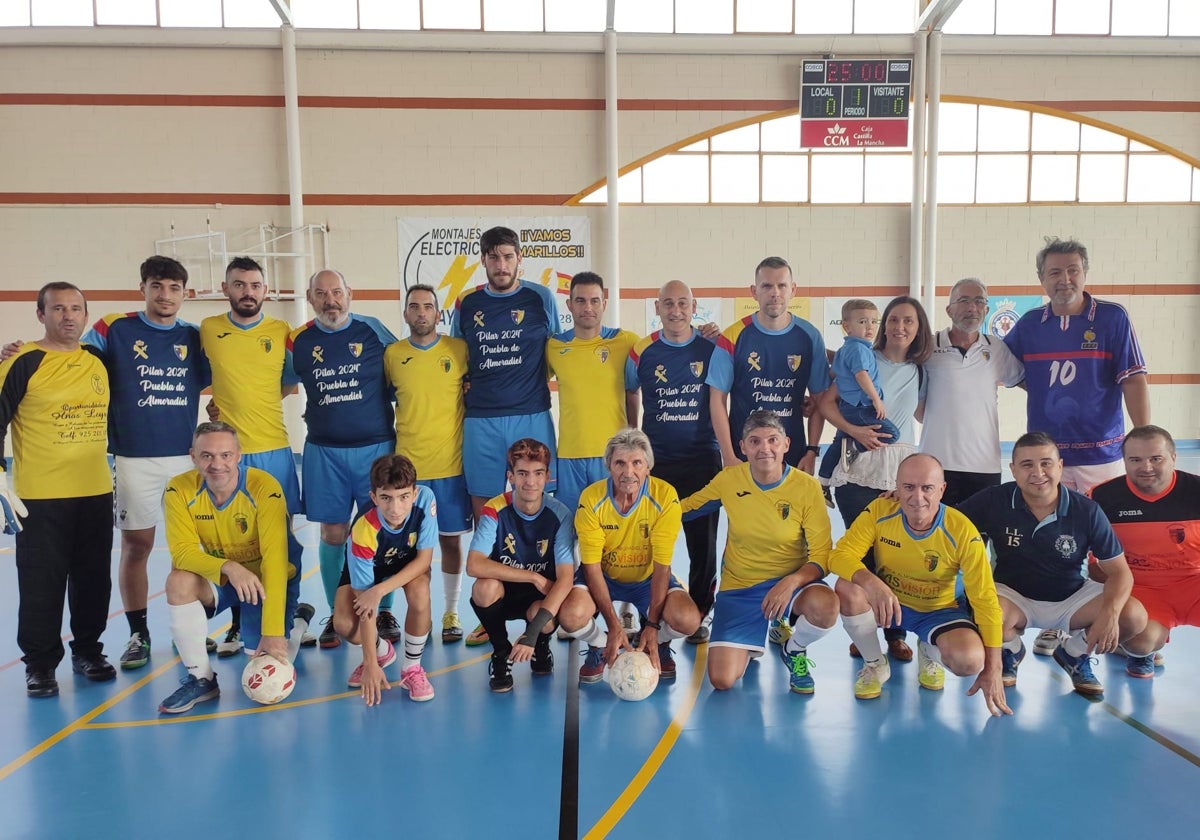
(391, 546)
(227, 531)
(522, 561)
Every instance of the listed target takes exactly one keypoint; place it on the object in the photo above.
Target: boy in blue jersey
(391, 548)
(522, 560)
(505, 324)
(338, 357)
(1043, 534)
(769, 360)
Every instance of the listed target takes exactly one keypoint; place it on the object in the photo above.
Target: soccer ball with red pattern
(268, 680)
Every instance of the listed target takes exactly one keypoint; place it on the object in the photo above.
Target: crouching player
(227, 531)
(522, 561)
(391, 547)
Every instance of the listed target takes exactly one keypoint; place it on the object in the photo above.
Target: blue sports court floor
(553, 759)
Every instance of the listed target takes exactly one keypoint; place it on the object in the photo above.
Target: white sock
(1076, 643)
(414, 646)
(804, 634)
(299, 628)
(669, 634)
(592, 634)
(864, 632)
(188, 626)
(452, 584)
(381, 645)
(1012, 645)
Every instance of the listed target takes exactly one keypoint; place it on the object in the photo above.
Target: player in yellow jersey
(594, 400)
(227, 531)
(920, 547)
(248, 352)
(54, 393)
(775, 557)
(427, 371)
(626, 526)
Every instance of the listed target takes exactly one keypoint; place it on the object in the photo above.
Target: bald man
(671, 367)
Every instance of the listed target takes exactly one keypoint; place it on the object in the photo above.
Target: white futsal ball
(633, 676)
(268, 680)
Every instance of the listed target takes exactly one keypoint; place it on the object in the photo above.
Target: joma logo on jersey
(784, 509)
(355, 349)
(181, 351)
(793, 363)
(318, 353)
(266, 344)
(517, 315)
(697, 369)
(139, 349)
(892, 543)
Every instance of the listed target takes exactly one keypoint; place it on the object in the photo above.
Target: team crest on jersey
(697, 369)
(510, 544)
(478, 319)
(784, 509)
(987, 355)
(98, 384)
(542, 545)
(266, 344)
(242, 523)
(318, 353)
(355, 349)
(1004, 318)
(444, 363)
(1089, 340)
(1066, 546)
(660, 373)
(644, 530)
(602, 353)
(931, 560)
(412, 540)
(139, 349)
(793, 363)
(518, 315)
(181, 351)
(753, 361)
(1177, 532)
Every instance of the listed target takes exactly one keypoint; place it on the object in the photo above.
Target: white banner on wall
(708, 311)
(444, 253)
(831, 326)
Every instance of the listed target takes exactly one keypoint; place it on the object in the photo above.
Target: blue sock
(332, 559)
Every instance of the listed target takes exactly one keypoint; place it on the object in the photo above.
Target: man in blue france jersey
(673, 369)
(338, 357)
(522, 560)
(391, 548)
(505, 323)
(769, 360)
(1043, 534)
(1081, 358)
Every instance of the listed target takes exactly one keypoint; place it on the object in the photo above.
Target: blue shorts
(574, 475)
(637, 594)
(336, 479)
(453, 504)
(251, 620)
(282, 466)
(485, 449)
(929, 625)
(738, 620)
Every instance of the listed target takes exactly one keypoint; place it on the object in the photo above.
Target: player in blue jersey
(338, 357)
(523, 561)
(505, 323)
(1043, 534)
(673, 368)
(769, 360)
(391, 548)
(1081, 359)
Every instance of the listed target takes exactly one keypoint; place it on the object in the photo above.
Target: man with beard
(338, 356)
(427, 371)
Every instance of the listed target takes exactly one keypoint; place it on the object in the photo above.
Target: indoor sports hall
(883, 147)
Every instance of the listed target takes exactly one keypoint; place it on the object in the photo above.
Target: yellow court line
(128, 724)
(657, 756)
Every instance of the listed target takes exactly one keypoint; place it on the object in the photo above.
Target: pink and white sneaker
(385, 659)
(419, 688)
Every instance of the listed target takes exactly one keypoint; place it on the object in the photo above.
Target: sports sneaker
(827, 492)
(871, 678)
(210, 645)
(542, 662)
(1158, 659)
(799, 664)
(592, 670)
(850, 453)
(231, 646)
(780, 631)
(387, 627)
(500, 673)
(930, 673)
(477, 637)
(1048, 641)
(666, 661)
(451, 628)
(1141, 667)
(700, 636)
(630, 620)
(1079, 669)
(329, 638)
(192, 690)
(1009, 663)
(137, 652)
(385, 659)
(415, 680)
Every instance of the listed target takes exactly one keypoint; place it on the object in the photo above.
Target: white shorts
(138, 485)
(1083, 478)
(1051, 615)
